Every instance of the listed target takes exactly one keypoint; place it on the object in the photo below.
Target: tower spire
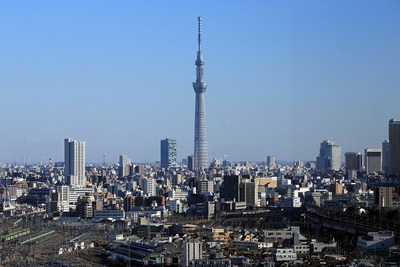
(199, 35)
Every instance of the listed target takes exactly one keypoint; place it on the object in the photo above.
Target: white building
(74, 159)
(149, 186)
(376, 241)
(285, 254)
(192, 250)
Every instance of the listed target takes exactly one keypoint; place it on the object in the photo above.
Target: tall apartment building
(192, 250)
(394, 148)
(63, 190)
(329, 156)
(74, 159)
(373, 160)
(168, 153)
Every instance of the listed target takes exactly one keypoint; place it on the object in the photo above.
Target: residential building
(74, 159)
(192, 250)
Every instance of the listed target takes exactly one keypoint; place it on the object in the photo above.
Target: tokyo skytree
(200, 137)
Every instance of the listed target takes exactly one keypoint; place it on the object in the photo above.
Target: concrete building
(230, 188)
(271, 161)
(74, 159)
(149, 186)
(353, 161)
(190, 163)
(168, 153)
(329, 156)
(376, 241)
(394, 148)
(63, 190)
(204, 186)
(373, 160)
(383, 197)
(200, 86)
(192, 250)
(125, 166)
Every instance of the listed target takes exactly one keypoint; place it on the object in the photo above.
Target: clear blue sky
(282, 76)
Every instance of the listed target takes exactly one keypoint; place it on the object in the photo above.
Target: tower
(74, 159)
(394, 148)
(199, 86)
(124, 166)
(168, 153)
(329, 156)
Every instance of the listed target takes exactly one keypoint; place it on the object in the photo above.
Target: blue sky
(282, 76)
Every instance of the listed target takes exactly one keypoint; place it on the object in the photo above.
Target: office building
(190, 163)
(199, 86)
(74, 159)
(230, 188)
(271, 161)
(373, 160)
(329, 156)
(125, 166)
(168, 153)
(385, 157)
(394, 148)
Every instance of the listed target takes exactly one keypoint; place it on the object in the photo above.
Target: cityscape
(104, 199)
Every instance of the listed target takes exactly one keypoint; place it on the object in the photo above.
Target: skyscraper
(373, 160)
(385, 157)
(124, 166)
(271, 161)
(74, 159)
(168, 153)
(394, 148)
(199, 86)
(329, 156)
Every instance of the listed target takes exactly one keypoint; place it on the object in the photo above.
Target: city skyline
(284, 77)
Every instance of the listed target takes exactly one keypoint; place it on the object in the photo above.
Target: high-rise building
(230, 188)
(373, 160)
(124, 168)
(383, 197)
(394, 148)
(74, 159)
(168, 153)
(385, 157)
(190, 163)
(199, 86)
(329, 156)
(350, 160)
(271, 161)
(192, 250)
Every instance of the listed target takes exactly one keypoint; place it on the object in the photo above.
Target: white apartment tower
(192, 250)
(74, 159)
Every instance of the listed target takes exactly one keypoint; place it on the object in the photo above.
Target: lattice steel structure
(200, 137)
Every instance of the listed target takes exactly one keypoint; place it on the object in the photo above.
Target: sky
(282, 77)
